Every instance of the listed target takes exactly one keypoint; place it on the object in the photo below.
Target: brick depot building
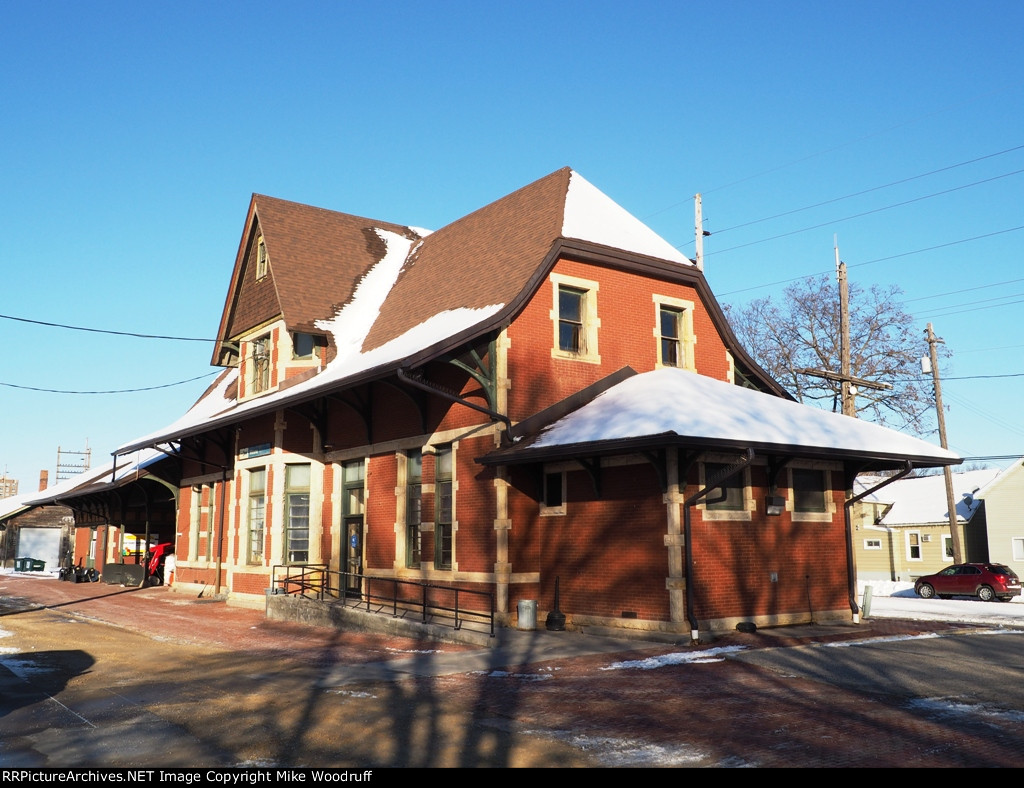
(544, 389)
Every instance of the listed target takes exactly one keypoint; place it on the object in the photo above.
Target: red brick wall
(381, 478)
(625, 308)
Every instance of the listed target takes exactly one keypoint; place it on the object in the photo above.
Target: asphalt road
(98, 676)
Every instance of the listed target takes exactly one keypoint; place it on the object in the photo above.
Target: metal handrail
(315, 581)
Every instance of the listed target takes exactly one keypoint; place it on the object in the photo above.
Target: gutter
(724, 476)
(850, 571)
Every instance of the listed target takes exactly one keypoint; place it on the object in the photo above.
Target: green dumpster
(35, 565)
(21, 564)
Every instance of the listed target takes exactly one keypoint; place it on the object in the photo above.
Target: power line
(868, 191)
(872, 211)
(961, 290)
(110, 391)
(104, 331)
(880, 260)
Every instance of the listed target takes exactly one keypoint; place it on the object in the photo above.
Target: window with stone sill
(574, 318)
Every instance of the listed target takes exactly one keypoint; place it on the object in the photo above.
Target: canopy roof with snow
(102, 478)
(673, 407)
(389, 296)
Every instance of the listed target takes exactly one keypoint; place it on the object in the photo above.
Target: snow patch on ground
(944, 707)
(873, 641)
(676, 658)
(611, 751)
(23, 668)
(505, 674)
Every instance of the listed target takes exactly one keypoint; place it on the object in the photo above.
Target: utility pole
(848, 384)
(847, 392)
(698, 229)
(933, 358)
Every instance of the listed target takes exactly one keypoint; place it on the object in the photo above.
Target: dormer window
(261, 364)
(261, 258)
(304, 346)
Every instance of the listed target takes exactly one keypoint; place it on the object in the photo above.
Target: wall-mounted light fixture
(774, 505)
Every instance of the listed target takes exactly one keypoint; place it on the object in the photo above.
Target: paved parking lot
(99, 675)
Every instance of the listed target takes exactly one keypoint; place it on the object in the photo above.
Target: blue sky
(133, 135)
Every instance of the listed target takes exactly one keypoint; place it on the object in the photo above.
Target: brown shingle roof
(317, 257)
(482, 259)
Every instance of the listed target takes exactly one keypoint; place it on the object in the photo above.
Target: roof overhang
(672, 408)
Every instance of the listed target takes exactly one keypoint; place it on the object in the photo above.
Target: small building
(902, 531)
(1002, 501)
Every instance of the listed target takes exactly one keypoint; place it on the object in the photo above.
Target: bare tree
(801, 331)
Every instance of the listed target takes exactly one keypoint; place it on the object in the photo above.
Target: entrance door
(353, 555)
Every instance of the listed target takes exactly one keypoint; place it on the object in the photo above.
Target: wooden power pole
(847, 382)
(954, 531)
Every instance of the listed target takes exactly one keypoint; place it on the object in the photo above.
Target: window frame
(413, 508)
(823, 514)
(910, 546)
(259, 381)
(444, 513)
(1015, 542)
(742, 482)
(872, 543)
(256, 524)
(589, 322)
(293, 495)
(548, 505)
(685, 340)
(262, 259)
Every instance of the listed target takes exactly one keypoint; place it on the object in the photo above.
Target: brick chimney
(44, 480)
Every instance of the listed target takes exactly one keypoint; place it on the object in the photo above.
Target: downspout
(419, 383)
(724, 476)
(220, 528)
(851, 577)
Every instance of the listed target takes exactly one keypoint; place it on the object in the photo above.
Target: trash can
(527, 614)
(35, 565)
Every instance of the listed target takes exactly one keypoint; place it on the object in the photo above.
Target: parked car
(985, 581)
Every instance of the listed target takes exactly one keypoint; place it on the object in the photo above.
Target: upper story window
(570, 320)
(260, 378)
(673, 330)
(261, 258)
(306, 346)
(574, 318)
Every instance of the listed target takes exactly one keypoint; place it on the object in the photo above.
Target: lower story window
(296, 514)
(413, 507)
(443, 521)
(257, 514)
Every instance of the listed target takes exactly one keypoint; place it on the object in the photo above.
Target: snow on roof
(590, 215)
(922, 500)
(674, 401)
(100, 475)
(349, 326)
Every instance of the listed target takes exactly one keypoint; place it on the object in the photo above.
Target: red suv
(985, 581)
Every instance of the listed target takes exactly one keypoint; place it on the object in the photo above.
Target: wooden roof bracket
(593, 468)
(416, 381)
